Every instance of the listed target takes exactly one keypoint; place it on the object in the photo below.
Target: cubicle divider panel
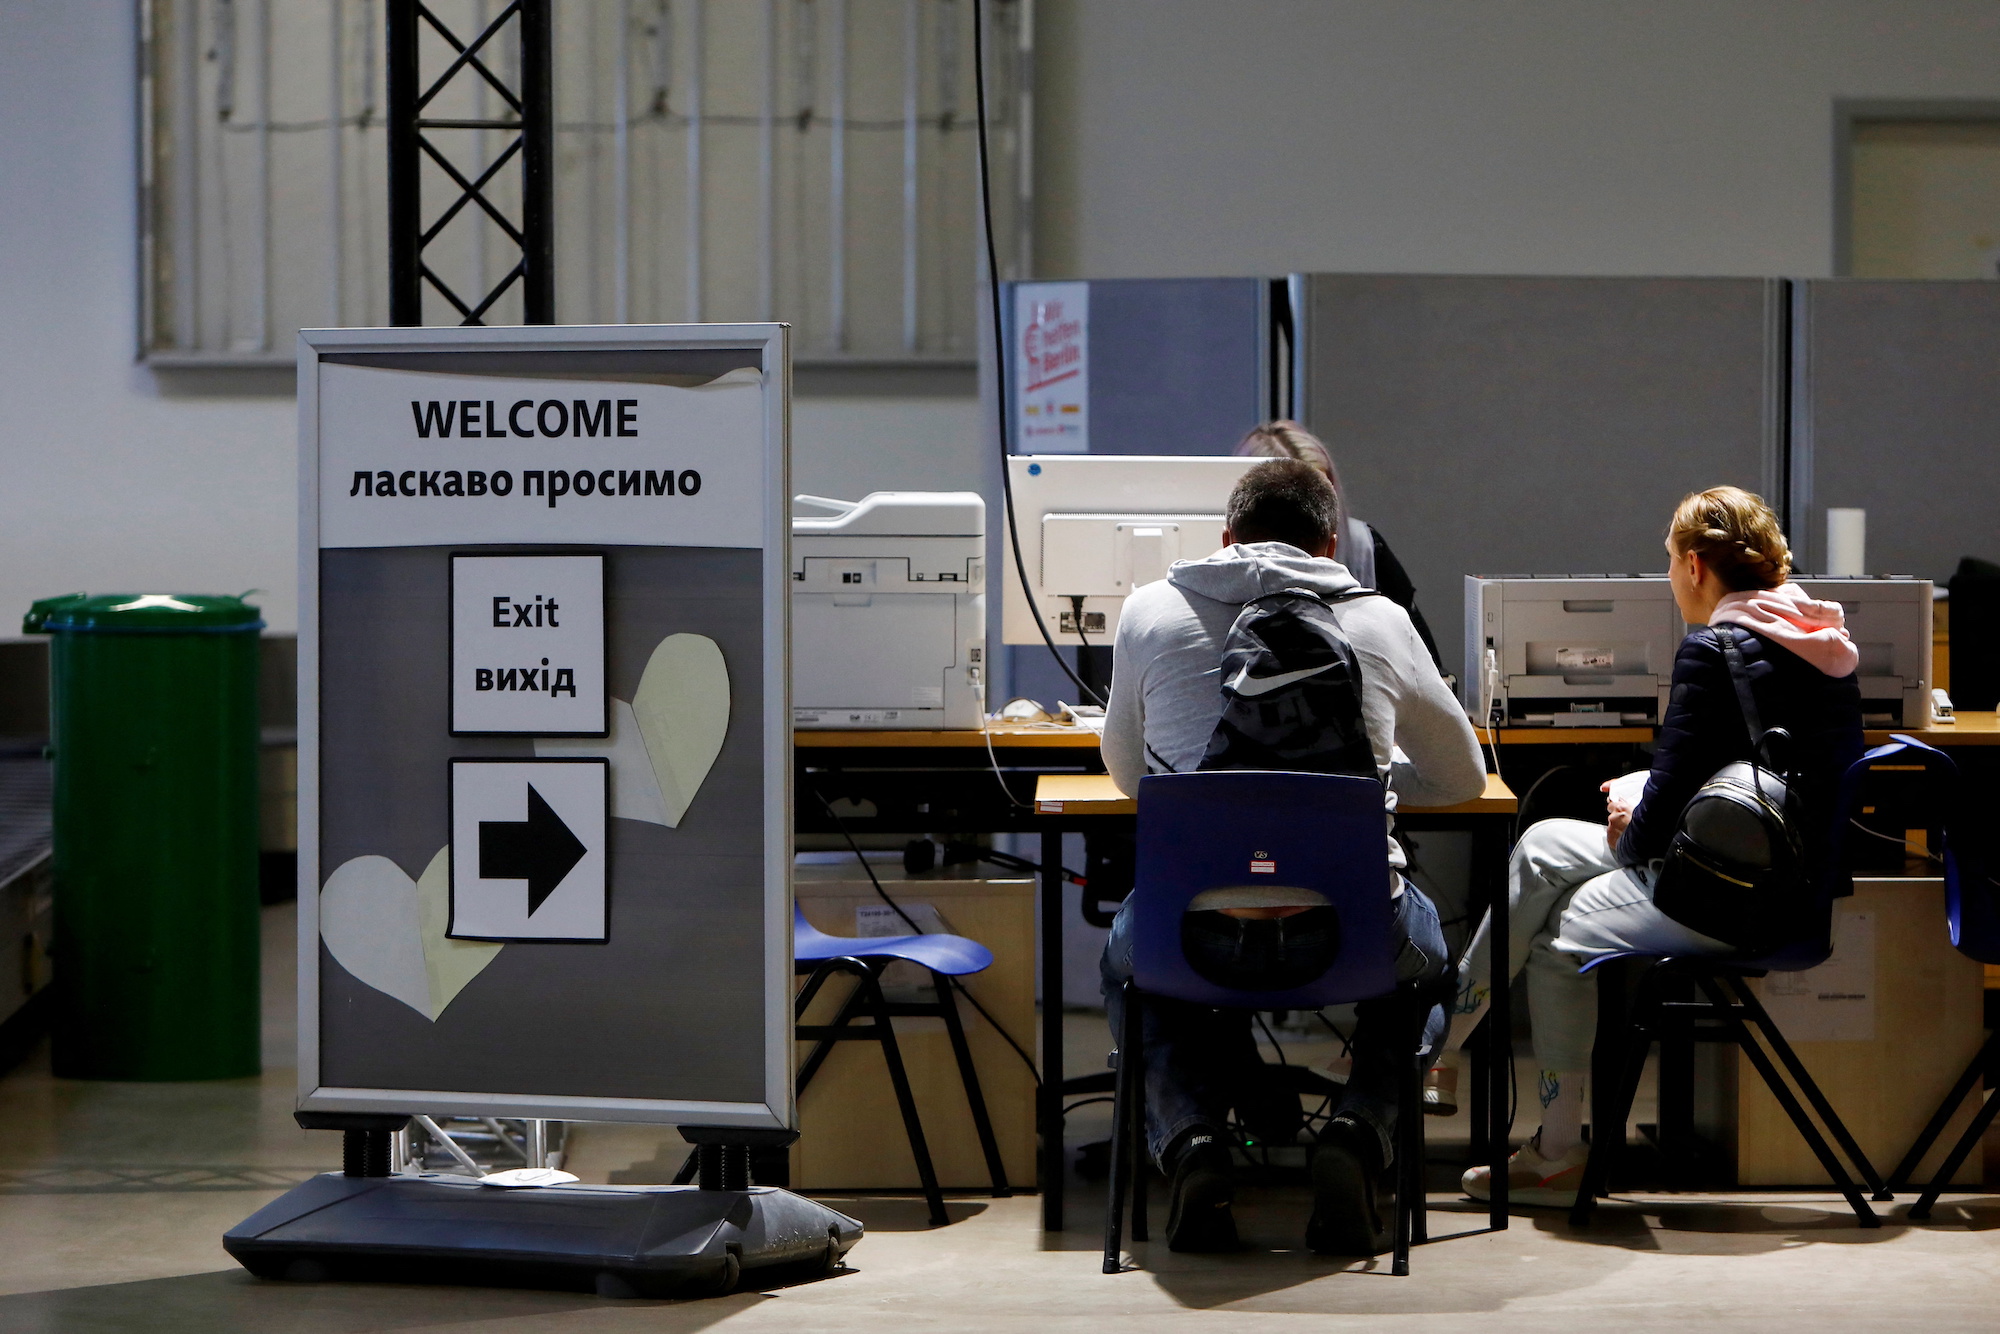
(1900, 389)
(545, 742)
(1501, 425)
(1155, 365)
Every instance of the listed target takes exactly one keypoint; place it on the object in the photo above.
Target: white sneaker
(1533, 1179)
(1441, 1090)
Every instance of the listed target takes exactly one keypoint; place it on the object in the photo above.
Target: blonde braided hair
(1736, 534)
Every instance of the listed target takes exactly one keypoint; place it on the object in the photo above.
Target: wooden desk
(1564, 736)
(1002, 736)
(1096, 794)
(1971, 729)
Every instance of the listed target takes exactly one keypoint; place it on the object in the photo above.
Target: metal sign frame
(772, 342)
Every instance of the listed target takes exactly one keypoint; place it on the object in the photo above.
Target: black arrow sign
(540, 850)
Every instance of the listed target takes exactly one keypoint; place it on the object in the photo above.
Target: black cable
(1346, 1043)
(1908, 847)
(952, 982)
(1268, 1037)
(1000, 349)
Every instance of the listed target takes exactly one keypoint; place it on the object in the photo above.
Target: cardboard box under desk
(1885, 1027)
(851, 1134)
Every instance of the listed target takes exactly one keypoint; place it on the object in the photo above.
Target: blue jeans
(1200, 1060)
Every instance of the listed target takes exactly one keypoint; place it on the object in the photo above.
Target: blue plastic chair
(1204, 831)
(1973, 915)
(1635, 1008)
(864, 957)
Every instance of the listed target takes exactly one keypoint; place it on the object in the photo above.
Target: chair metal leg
(1407, 1171)
(899, 1079)
(1618, 1063)
(1481, 1090)
(1807, 1085)
(1420, 1227)
(1500, 1054)
(823, 1048)
(1907, 1169)
(968, 1075)
(1130, 1088)
(1675, 1125)
(1142, 1158)
(1863, 1215)
(1942, 1181)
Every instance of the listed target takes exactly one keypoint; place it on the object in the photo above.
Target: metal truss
(531, 121)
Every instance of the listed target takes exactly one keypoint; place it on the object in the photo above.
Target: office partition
(1502, 425)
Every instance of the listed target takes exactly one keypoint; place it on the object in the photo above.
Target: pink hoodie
(1787, 616)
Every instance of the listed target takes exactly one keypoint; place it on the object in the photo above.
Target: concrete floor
(114, 1197)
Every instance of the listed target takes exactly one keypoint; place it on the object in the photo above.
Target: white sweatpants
(1571, 901)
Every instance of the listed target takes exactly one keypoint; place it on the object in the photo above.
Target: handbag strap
(1739, 674)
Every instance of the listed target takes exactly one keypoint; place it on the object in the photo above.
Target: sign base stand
(640, 1241)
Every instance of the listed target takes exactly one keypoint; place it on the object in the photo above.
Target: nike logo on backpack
(1252, 686)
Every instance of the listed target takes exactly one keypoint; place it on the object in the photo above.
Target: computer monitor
(1096, 527)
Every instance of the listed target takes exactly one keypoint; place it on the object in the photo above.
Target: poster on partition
(1051, 372)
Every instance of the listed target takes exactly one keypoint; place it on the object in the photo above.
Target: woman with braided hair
(1580, 890)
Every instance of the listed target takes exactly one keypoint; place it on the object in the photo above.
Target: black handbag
(1736, 868)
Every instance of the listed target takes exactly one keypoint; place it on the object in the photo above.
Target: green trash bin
(154, 731)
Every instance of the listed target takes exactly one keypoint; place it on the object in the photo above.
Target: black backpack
(1736, 868)
(1291, 690)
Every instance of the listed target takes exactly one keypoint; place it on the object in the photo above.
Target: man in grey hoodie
(1166, 698)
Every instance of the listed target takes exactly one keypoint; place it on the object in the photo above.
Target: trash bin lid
(143, 613)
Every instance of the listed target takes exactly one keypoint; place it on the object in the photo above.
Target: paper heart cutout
(634, 789)
(682, 707)
(389, 931)
(665, 741)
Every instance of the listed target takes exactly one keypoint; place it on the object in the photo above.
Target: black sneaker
(1347, 1177)
(1198, 1218)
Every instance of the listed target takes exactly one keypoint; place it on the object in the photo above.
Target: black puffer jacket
(1704, 730)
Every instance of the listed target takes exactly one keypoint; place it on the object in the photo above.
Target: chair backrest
(1970, 907)
(1250, 828)
(1976, 923)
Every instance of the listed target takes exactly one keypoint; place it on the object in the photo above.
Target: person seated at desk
(1579, 890)
(1166, 699)
(1362, 550)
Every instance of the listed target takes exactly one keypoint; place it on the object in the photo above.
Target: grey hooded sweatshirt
(1166, 685)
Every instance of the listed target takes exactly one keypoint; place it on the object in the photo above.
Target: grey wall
(1900, 417)
(1188, 137)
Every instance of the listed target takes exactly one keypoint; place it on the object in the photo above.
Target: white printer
(889, 611)
(1570, 650)
(1889, 620)
(1598, 650)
